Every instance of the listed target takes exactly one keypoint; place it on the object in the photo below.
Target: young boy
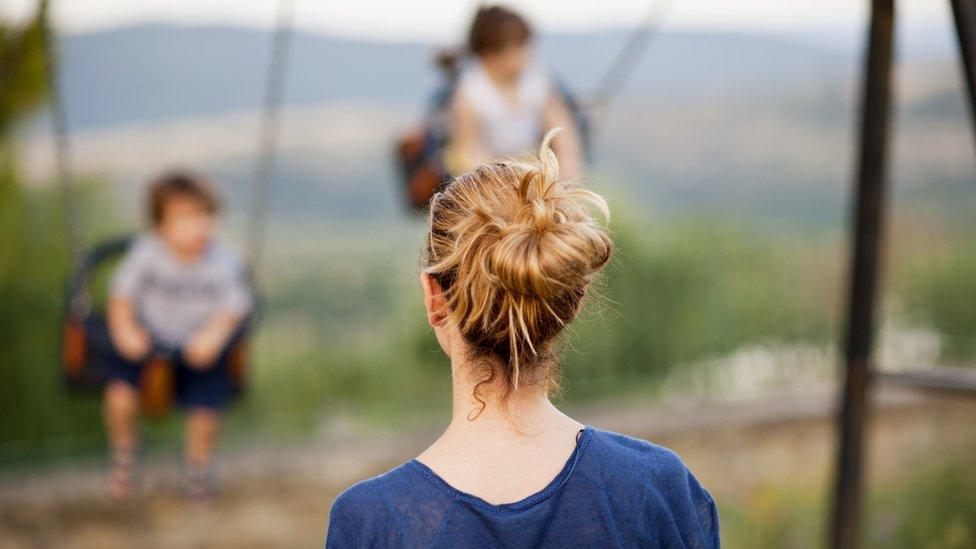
(175, 288)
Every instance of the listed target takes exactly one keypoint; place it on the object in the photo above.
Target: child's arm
(567, 144)
(466, 148)
(128, 336)
(204, 347)
(130, 339)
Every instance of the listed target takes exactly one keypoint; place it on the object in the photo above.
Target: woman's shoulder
(642, 469)
(648, 480)
(404, 483)
(633, 454)
(386, 484)
(375, 506)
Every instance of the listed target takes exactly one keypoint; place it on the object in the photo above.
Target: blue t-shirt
(614, 491)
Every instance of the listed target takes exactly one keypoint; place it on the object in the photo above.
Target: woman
(504, 103)
(511, 253)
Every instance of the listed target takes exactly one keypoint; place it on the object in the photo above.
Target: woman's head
(511, 253)
(500, 38)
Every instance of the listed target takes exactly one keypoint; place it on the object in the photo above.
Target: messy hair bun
(514, 250)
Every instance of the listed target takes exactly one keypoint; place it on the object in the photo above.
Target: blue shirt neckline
(521, 504)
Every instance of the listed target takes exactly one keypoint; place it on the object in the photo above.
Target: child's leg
(203, 393)
(121, 413)
(121, 406)
(202, 429)
(122, 416)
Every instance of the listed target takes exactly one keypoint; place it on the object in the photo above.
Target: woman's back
(613, 491)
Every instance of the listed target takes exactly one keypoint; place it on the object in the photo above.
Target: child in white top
(504, 104)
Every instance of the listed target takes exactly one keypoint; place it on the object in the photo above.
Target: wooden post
(866, 238)
(964, 16)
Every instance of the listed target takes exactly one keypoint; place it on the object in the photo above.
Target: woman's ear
(433, 299)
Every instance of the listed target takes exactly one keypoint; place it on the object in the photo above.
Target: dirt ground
(279, 496)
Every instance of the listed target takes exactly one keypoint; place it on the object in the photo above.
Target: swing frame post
(964, 17)
(866, 239)
(867, 230)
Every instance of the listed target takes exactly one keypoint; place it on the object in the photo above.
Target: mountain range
(731, 122)
(155, 72)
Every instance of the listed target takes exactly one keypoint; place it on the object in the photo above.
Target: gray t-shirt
(173, 300)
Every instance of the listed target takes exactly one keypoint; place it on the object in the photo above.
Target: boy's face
(186, 226)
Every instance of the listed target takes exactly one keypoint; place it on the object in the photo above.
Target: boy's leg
(121, 424)
(120, 410)
(121, 418)
(204, 393)
(202, 430)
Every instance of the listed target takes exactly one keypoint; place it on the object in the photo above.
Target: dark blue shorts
(210, 388)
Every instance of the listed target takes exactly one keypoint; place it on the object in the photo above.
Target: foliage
(695, 289)
(774, 516)
(22, 71)
(35, 418)
(933, 506)
(940, 290)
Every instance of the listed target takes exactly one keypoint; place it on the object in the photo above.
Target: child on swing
(178, 289)
(504, 102)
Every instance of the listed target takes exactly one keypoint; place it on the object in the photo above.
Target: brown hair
(514, 249)
(181, 184)
(495, 28)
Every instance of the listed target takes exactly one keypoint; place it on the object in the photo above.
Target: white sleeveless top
(508, 129)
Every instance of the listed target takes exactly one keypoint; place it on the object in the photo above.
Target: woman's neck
(527, 412)
(513, 447)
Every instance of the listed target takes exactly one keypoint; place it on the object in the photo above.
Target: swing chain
(630, 54)
(268, 134)
(62, 139)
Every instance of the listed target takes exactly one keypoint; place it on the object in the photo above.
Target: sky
(442, 20)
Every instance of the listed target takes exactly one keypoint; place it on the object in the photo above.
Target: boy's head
(183, 208)
(500, 37)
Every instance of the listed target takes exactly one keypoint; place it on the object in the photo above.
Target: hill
(155, 72)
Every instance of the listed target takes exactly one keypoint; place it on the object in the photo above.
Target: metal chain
(62, 140)
(268, 136)
(630, 53)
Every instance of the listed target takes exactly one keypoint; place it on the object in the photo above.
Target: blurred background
(728, 162)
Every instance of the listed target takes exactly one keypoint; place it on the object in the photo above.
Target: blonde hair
(514, 249)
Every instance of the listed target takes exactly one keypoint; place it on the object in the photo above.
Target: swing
(84, 336)
(419, 153)
(85, 339)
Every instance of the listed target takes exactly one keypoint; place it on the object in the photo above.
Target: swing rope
(73, 227)
(268, 134)
(633, 49)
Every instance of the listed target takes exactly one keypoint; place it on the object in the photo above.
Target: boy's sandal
(199, 483)
(123, 477)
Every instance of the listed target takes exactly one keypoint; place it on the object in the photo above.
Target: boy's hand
(128, 337)
(203, 349)
(132, 342)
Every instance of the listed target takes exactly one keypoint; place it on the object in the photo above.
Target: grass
(932, 506)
